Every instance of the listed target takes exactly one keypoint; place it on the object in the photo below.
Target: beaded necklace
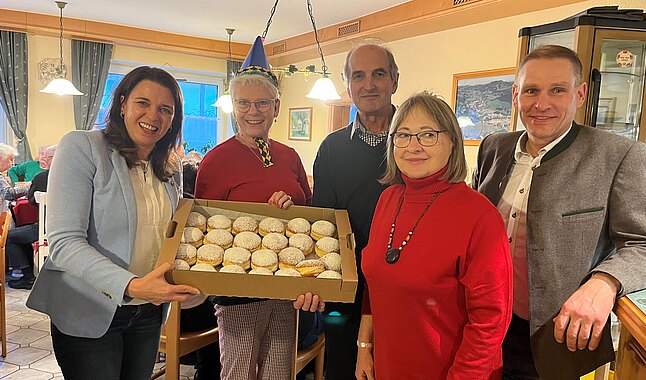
(392, 254)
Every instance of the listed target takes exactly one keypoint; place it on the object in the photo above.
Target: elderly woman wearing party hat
(256, 336)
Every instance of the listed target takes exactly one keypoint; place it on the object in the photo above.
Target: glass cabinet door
(621, 93)
(562, 38)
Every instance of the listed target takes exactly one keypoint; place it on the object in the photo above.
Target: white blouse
(153, 214)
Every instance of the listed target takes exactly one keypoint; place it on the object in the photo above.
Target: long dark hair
(163, 159)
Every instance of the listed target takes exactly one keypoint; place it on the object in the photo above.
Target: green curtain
(90, 66)
(14, 87)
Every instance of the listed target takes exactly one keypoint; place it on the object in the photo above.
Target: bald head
(367, 47)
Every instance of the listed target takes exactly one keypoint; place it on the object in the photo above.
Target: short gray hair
(50, 149)
(392, 65)
(440, 112)
(253, 80)
(7, 150)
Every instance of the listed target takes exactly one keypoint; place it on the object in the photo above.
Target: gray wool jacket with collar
(586, 212)
(91, 226)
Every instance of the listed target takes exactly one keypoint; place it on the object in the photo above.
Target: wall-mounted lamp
(59, 85)
(225, 102)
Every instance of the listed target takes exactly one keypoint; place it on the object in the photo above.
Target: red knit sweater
(441, 311)
(233, 172)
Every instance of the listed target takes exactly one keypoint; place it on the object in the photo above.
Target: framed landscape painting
(482, 103)
(300, 124)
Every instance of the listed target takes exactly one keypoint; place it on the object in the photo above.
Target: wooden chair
(176, 345)
(315, 351)
(5, 219)
(42, 249)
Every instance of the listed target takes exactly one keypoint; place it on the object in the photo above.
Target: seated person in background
(189, 173)
(7, 192)
(199, 316)
(194, 157)
(26, 171)
(18, 249)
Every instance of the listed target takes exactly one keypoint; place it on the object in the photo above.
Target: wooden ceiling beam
(118, 34)
(411, 19)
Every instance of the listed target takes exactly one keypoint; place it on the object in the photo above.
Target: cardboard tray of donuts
(245, 249)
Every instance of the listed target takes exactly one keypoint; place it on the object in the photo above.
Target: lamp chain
(60, 40)
(316, 36)
(229, 56)
(271, 15)
(226, 87)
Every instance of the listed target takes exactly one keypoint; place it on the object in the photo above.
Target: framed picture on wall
(300, 124)
(482, 103)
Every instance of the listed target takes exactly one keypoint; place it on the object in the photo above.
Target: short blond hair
(440, 112)
(555, 52)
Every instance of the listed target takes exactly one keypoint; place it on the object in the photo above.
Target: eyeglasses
(244, 105)
(425, 138)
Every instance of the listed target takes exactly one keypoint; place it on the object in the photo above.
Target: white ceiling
(209, 18)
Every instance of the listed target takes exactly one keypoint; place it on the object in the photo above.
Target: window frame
(6, 133)
(123, 67)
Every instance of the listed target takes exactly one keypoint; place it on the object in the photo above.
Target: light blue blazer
(91, 225)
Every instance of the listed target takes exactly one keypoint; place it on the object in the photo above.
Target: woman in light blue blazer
(110, 196)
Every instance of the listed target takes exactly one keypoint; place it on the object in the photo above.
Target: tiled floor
(30, 355)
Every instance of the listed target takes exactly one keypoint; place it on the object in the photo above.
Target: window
(200, 90)
(200, 117)
(6, 135)
(110, 85)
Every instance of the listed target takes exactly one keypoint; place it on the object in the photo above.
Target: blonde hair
(555, 52)
(440, 112)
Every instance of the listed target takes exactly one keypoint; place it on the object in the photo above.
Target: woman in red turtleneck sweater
(437, 265)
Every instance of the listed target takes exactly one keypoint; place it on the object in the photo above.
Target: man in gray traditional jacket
(573, 201)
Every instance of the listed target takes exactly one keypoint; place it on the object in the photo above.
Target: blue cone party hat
(257, 63)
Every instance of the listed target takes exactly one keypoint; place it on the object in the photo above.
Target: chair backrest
(41, 253)
(5, 220)
(41, 199)
(317, 352)
(175, 344)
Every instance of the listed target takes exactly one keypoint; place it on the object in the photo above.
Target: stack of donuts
(266, 247)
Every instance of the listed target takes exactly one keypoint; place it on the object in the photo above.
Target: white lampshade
(61, 86)
(225, 103)
(324, 90)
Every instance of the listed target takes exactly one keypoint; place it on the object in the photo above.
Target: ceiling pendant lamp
(324, 87)
(224, 102)
(60, 85)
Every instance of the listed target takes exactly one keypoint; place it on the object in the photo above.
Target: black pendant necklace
(392, 254)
